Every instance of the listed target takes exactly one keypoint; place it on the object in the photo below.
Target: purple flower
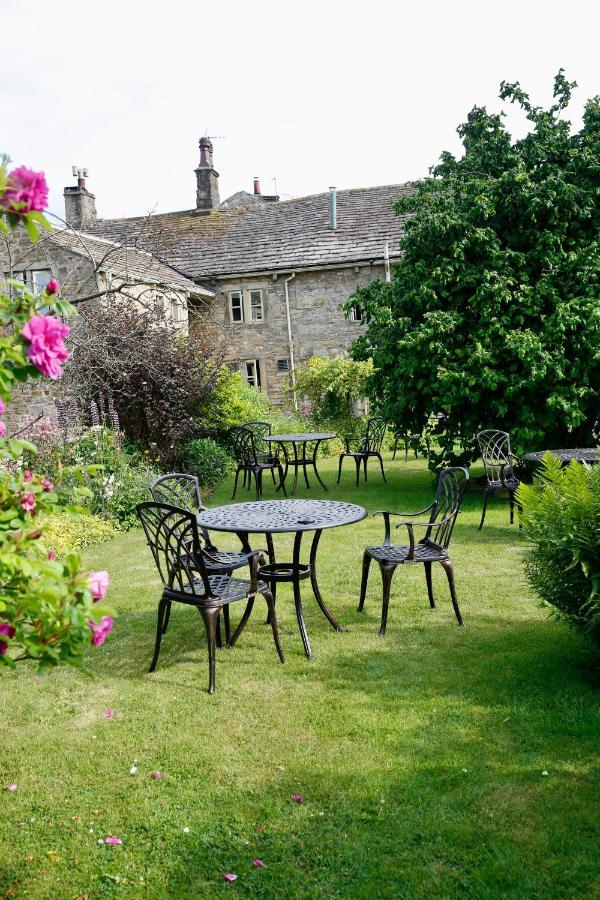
(26, 191)
(47, 350)
(7, 630)
(98, 584)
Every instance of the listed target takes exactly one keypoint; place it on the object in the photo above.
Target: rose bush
(49, 609)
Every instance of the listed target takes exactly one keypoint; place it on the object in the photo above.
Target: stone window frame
(246, 305)
(27, 276)
(255, 380)
(353, 317)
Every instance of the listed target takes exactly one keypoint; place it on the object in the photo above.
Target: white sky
(313, 93)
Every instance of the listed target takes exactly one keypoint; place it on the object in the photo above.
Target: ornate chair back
(260, 430)
(178, 489)
(172, 535)
(374, 436)
(446, 505)
(496, 455)
(243, 446)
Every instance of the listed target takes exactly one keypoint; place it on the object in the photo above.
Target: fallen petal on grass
(229, 876)
(11, 787)
(155, 775)
(113, 840)
(109, 713)
(259, 864)
(133, 770)
(297, 798)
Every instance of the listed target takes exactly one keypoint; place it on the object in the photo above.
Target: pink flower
(8, 631)
(113, 840)
(47, 484)
(26, 191)
(52, 286)
(109, 713)
(28, 476)
(2, 429)
(2, 407)
(259, 864)
(28, 502)
(11, 787)
(47, 350)
(98, 584)
(297, 798)
(100, 630)
(229, 876)
(52, 555)
(155, 775)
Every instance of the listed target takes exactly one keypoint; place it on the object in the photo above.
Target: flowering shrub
(49, 609)
(206, 460)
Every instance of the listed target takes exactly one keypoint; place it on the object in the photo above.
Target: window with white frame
(256, 305)
(251, 369)
(236, 306)
(356, 314)
(39, 279)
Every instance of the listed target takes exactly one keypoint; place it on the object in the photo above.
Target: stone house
(279, 270)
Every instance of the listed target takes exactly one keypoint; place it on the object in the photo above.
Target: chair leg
(447, 566)
(273, 619)
(242, 623)
(511, 504)
(218, 634)
(282, 479)
(395, 448)
(485, 500)
(429, 584)
(340, 467)
(273, 474)
(405, 449)
(365, 461)
(381, 464)
(159, 632)
(226, 622)
(235, 483)
(357, 461)
(387, 573)
(365, 578)
(167, 617)
(210, 616)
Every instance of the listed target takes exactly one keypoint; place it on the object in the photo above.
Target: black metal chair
(498, 462)
(370, 445)
(250, 462)
(173, 537)
(412, 440)
(264, 450)
(182, 490)
(433, 547)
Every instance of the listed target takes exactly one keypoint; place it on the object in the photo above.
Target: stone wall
(317, 321)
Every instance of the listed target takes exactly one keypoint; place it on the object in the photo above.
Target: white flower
(186, 830)
(133, 770)
(544, 772)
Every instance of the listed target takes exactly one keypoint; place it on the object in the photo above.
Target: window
(256, 306)
(355, 314)
(179, 310)
(252, 372)
(236, 306)
(39, 280)
(283, 365)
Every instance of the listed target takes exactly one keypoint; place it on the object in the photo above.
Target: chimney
(80, 205)
(332, 209)
(207, 179)
(256, 187)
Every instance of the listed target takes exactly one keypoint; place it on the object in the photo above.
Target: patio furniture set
(195, 572)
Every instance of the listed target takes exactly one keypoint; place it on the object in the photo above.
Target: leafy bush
(64, 533)
(561, 516)
(232, 403)
(335, 387)
(207, 460)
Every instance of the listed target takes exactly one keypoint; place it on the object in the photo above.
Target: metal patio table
(300, 459)
(271, 517)
(587, 455)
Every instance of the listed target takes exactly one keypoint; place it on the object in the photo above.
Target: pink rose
(46, 344)
(47, 484)
(98, 584)
(28, 502)
(26, 191)
(100, 630)
(28, 476)
(8, 631)
(2, 429)
(2, 407)
(52, 286)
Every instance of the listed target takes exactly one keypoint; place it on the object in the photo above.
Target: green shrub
(207, 460)
(334, 386)
(64, 532)
(232, 403)
(561, 516)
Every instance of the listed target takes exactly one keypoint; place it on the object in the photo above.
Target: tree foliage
(492, 316)
(334, 386)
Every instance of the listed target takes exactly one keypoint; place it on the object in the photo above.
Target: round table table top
(589, 454)
(279, 516)
(301, 438)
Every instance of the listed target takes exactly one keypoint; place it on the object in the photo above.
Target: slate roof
(291, 234)
(125, 261)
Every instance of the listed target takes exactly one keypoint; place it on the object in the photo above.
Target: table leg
(314, 465)
(297, 598)
(272, 584)
(304, 462)
(295, 446)
(313, 580)
(287, 465)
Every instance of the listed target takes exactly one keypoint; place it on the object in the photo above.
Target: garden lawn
(436, 762)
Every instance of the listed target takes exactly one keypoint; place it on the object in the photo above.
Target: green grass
(419, 756)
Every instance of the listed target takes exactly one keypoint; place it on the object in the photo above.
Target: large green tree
(492, 316)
